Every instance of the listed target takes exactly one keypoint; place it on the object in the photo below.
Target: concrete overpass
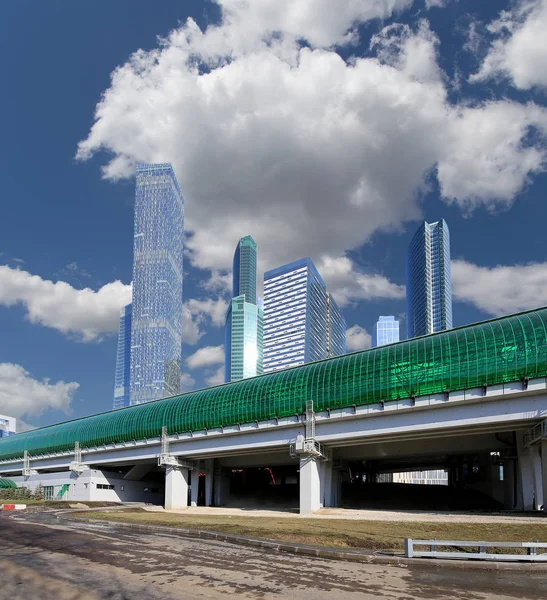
(468, 400)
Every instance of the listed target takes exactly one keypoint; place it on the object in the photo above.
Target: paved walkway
(364, 515)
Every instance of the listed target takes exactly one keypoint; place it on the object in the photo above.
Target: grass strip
(339, 533)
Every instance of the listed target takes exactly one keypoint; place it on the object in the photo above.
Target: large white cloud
(320, 22)
(349, 284)
(21, 394)
(519, 47)
(502, 289)
(358, 338)
(308, 153)
(86, 313)
(206, 356)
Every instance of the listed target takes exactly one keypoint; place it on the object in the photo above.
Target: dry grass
(372, 535)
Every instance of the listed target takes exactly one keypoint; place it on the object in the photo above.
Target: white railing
(481, 552)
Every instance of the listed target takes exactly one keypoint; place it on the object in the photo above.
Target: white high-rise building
(302, 323)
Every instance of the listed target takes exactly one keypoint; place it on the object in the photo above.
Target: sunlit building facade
(302, 322)
(8, 426)
(156, 320)
(123, 360)
(243, 343)
(386, 331)
(429, 285)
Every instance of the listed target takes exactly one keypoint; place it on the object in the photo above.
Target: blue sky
(322, 131)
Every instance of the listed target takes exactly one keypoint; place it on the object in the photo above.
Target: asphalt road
(48, 559)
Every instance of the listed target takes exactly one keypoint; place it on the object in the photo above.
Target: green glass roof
(7, 484)
(492, 352)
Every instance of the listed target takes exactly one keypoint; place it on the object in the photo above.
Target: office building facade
(156, 319)
(243, 343)
(8, 426)
(302, 322)
(429, 284)
(386, 331)
(123, 360)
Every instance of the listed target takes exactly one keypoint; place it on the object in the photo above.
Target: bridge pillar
(209, 474)
(544, 472)
(221, 487)
(194, 491)
(535, 450)
(525, 493)
(310, 485)
(509, 469)
(327, 473)
(176, 488)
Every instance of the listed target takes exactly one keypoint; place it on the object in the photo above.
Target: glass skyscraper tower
(429, 286)
(386, 331)
(156, 308)
(123, 360)
(302, 322)
(243, 344)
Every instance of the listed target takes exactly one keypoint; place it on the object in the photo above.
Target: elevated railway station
(472, 401)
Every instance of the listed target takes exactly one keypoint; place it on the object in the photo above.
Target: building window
(104, 486)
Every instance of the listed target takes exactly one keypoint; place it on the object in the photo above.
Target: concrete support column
(544, 472)
(310, 485)
(327, 495)
(509, 500)
(195, 486)
(525, 494)
(176, 488)
(336, 488)
(209, 474)
(535, 451)
(221, 488)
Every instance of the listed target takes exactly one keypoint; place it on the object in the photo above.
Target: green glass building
(243, 344)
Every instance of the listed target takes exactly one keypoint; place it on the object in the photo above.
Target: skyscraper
(302, 322)
(336, 329)
(156, 320)
(123, 360)
(244, 270)
(429, 287)
(386, 331)
(243, 344)
(8, 426)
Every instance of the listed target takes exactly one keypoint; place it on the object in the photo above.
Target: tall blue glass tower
(302, 322)
(156, 320)
(243, 343)
(123, 360)
(386, 331)
(429, 284)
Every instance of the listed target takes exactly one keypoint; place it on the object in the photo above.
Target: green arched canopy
(492, 352)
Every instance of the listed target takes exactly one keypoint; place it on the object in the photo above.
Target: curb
(361, 556)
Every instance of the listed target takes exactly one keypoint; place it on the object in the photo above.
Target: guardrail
(482, 547)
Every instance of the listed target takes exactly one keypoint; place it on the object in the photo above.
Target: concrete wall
(86, 487)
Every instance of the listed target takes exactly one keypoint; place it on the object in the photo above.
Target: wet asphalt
(43, 557)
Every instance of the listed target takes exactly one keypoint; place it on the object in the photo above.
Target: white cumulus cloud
(518, 49)
(349, 285)
(216, 378)
(308, 153)
(206, 356)
(85, 313)
(358, 338)
(21, 394)
(502, 289)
